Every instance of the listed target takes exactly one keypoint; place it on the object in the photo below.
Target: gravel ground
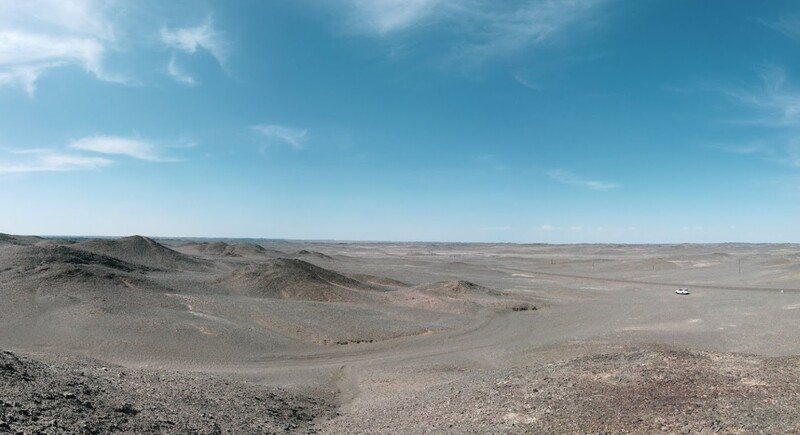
(634, 391)
(610, 349)
(69, 398)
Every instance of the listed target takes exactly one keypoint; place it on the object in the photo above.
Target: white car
(682, 291)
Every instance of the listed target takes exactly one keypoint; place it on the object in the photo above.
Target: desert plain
(136, 335)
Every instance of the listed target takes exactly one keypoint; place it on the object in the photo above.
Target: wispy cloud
(40, 35)
(567, 177)
(77, 17)
(788, 25)
(278, 133)
(384, 17)
(48, 161)
(22, 76)
(178, 74)
(78, 155)
(115, 145)
(478, 29)
(773, 105)
(773, 102)
(499, 29)
(784, 151)
(521, 79)
(192, 39)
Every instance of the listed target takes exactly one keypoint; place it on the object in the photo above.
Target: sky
(526, 121)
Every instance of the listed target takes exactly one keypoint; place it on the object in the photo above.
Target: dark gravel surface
(70, 398)
(638, 391)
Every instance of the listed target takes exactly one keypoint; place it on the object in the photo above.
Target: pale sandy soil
(404, 338)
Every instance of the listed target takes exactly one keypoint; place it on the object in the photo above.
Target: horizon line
(375, 241)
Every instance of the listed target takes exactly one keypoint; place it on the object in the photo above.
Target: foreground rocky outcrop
(86, 398)
(631, 391)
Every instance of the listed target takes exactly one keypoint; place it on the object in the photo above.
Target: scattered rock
(148, 402)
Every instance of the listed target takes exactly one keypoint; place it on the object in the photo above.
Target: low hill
(144, 251)
(9, 239)
(232, 249)
(36, 282)
(313, 254)
(27, 258)
(287, 278)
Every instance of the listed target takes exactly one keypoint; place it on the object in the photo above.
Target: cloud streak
(522, 80)
(567, 177)
(115, 145)
(50, 161)
(192, 39)
(293, 137)
(78, 155)
(383, 17)
(40, 35)
(774, 105)
(478, 29)
(789, 26)
(502, 30)
(177, 73)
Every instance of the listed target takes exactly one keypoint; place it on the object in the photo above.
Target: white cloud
(388, 16)
(782, 150)
(501, 29)
(191, 39)
(39, 35)
(24, 77)
(521, 79)
(178, 74)
(291, 136)
(49, 161)
(135, 148)
(479, 28)
(567, 177)
(77, 17)
(789, 26)
(773, 105)
(44, 160)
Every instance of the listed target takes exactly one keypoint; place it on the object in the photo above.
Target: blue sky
(654, 121)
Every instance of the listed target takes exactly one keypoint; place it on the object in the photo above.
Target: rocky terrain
(143, 251)
(650, 390)
(71, 398)
(136, 335)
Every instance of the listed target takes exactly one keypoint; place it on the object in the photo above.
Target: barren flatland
(137, 335)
